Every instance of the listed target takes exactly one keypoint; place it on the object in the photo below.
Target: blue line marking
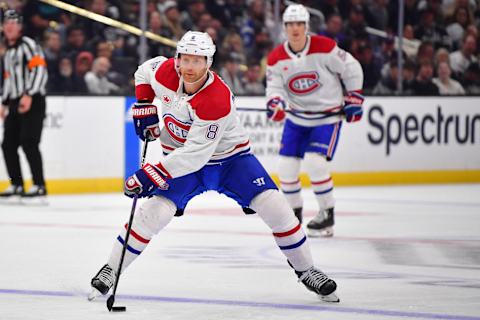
(252, 304)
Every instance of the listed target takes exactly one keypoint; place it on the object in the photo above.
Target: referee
(23, 106)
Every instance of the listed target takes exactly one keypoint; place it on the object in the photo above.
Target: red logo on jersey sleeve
(166, 99)
(304, 83)
(178, 130)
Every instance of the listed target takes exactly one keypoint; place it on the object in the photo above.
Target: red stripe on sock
(287, 233)
(321, 182)
(137, 236)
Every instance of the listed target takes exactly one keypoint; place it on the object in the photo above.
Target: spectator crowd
(88, 57)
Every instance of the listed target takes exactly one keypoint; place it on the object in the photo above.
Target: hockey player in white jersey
(305, 76)
(206, 149)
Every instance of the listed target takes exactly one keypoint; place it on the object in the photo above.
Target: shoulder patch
(213, 102)
(167, 76)
(321, 44)
(276, 55)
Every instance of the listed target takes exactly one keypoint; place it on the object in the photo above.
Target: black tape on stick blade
(119, 309)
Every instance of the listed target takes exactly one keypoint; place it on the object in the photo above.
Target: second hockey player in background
(305, 75)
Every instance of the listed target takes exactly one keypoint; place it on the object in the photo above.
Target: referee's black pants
(24, 130)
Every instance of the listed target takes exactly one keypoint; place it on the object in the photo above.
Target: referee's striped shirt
(24, 70)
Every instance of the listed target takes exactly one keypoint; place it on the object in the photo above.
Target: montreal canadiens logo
(304, 83)
(178, 130)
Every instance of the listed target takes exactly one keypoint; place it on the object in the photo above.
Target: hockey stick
(111, 299)
(326, 113)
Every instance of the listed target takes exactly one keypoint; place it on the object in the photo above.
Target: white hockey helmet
(197, 44)
(296, 13)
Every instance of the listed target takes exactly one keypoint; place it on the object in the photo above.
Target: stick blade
(111, 308)
(119, 309)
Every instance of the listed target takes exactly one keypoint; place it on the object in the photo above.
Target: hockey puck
(119, 309)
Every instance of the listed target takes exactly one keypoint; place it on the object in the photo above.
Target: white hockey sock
(288, 170)
(151, 217)
(322, 185)
(136, 244)
(289, 235)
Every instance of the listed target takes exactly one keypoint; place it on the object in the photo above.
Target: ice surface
(398, 253)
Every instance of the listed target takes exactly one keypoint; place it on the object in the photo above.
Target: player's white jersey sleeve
(349, 69)
(145, 73)
(202, 141)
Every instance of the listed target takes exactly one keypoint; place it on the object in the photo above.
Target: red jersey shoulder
(321, 44)
(213, 102)
(277, 54)
(167, 76)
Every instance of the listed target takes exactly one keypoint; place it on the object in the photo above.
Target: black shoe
(322, 224)
(318, 282)
(298, 214)
(35, 191)
(102, 282)
(12, 190)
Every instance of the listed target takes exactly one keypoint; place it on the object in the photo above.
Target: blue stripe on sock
(324, 191)
(128, 247)
(293, 191)
(295, 245)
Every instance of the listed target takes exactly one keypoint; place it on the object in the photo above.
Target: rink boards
(89, 144)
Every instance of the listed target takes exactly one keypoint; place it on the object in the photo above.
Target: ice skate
(298, 214)
(322, 224)
(11, 195)
(102, 282)
(316, 281)
(36, 195)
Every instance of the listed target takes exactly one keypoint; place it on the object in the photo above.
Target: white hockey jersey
(310, 80)
(199, 129)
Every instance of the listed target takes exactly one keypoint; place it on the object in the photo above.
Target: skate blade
(325, 233)
(332, 297)
(35, 201)
(94, 294)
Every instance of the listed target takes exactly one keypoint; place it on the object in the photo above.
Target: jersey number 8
(212, 131)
